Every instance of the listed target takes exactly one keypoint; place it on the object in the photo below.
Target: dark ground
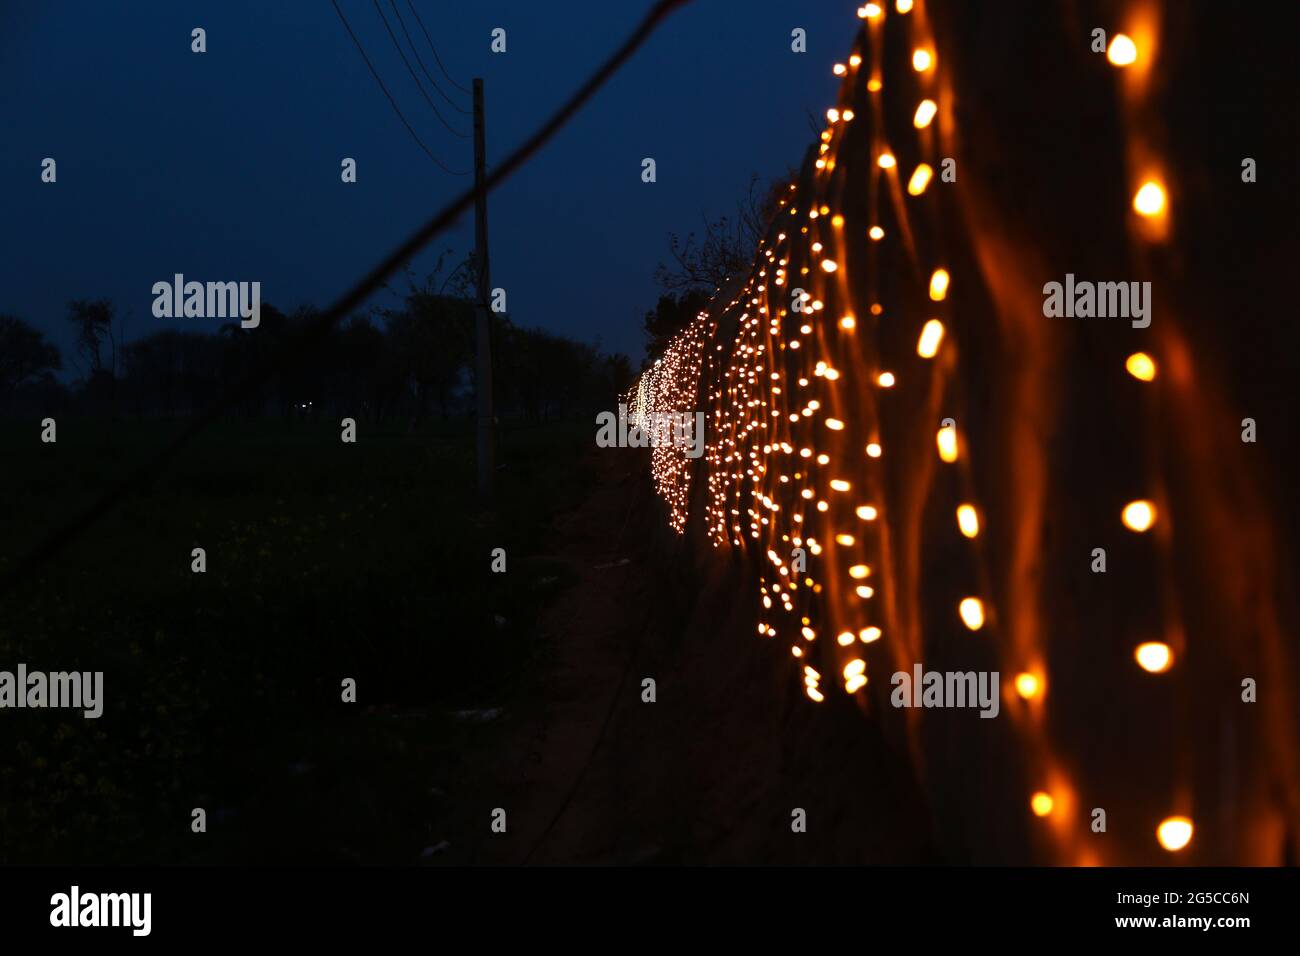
(476, 690)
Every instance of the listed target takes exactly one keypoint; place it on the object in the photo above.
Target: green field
(222, 690)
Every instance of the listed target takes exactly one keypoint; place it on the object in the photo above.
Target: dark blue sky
(225, 165)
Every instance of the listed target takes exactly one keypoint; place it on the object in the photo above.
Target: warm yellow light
(869, 634)
(916, 185)
(1026, 686)
(903, 6)
(854, 60)
(848, 322)
(863, 591)
(828, 265)
(885, 379)
(1123, 50)
(837, 221)
(972, 613)
(927, 346)
(938, 283)
(873, 450)
(968, 520)
(845, 539)
(1141, 366)
(946, 440)
(839, 69)
(876, 233)
(922, 60)
(1041, 803)
(1139, 515)
(1150, 199)
(859, 571)
(886, 161)
(1154, 656)
(839, 484)
(834, 424)
(873, 85)
(844, 638)
(1174, 833)
(924, 113)
(866, 512)
(872, 10)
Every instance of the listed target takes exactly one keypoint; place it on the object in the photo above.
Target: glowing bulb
(927, 346)
(1041, 803)
(834, 424)
(968, 520)
(873, 450)
(886, 161)
(1139, 515)
(903, 6)
(854, 60)
(839, 69)
(1150, 199)
(885, 379)
(924, 113)
(840, 485)
(872, 10)
(873, 85)
(837, 221)
(916, 185)
(1026, 687)
(859, 571)
(848, 322)
(876, 233)
(972, 613)
(869, 634)
(938, 283)
(922, 60)
(1154, 657)
(863, 591)
(946, 439)
(844, 638)
(1141, 366)
(1123, 50)
(866, 512)
(1174, 833)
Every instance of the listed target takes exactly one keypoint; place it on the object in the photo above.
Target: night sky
(225, 165)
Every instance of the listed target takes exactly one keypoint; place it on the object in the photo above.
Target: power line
(145, 473)
(392, 36)
(411, 43)
(434, 49)
(392, 101)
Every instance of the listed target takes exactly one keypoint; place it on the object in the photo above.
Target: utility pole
(482, 322)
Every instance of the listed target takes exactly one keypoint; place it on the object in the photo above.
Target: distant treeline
(413, 362)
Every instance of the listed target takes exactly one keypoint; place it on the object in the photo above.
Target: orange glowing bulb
(1041, 803)
(1174, 833)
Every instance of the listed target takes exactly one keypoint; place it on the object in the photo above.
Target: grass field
(222, 690)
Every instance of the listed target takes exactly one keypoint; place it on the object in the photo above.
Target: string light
(786, 412)
(1139, 515)
(1174, 833)
(1122, 51)
(1154, 656)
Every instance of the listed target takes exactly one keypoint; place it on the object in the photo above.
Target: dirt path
(712, 770)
